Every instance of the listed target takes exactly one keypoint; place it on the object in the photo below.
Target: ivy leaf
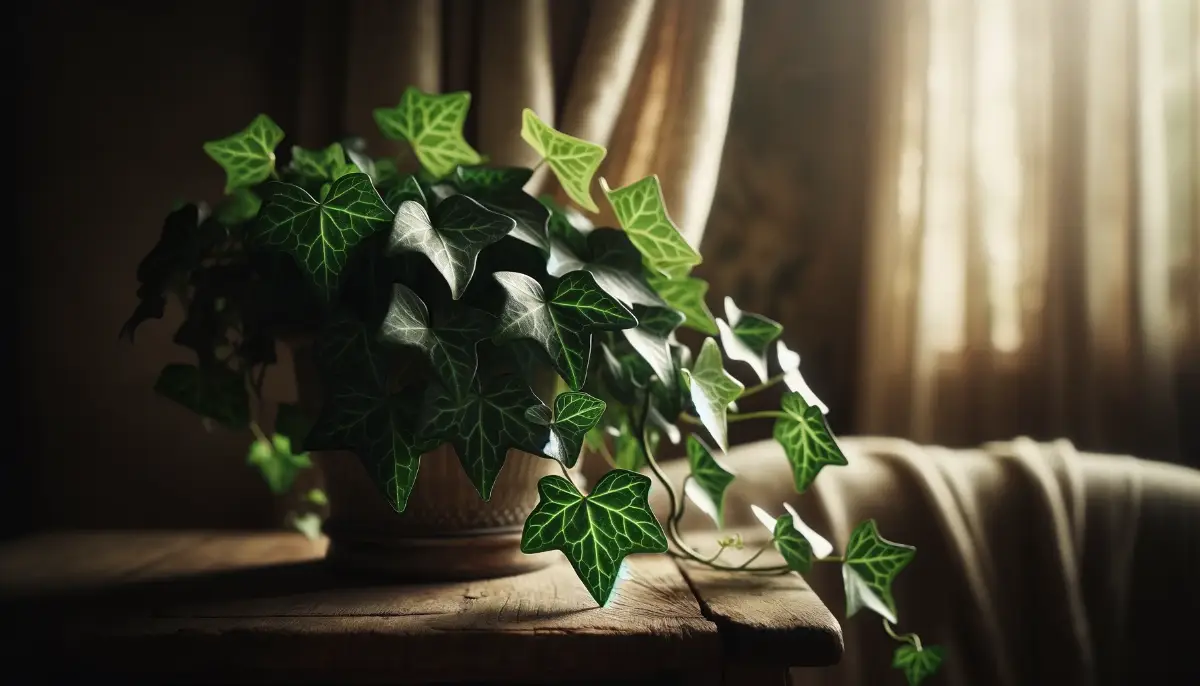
(649, 338)
(450, 345)
(806, 440)
(177, 251)
(484, 424)
(575, 414)
(712, 389)
(642, 212)
(500, 190)
(625, 374)
(308, 524)
(821, 547)
(366, 165)
(628, 449)
(792, 545)
(918, 664)
(711, 478)
(319, 165)
(239, 207)
(452, 239)
(216, 393)
(568, 225)
(385, 173)
(686, 296)
(746, 336)
(573, 160)
(277, 463)
(789, 362)
(407, 189)
(348, 353)
(248, 156)
(563, 324)
(595, 531)
(872, 563)
(491, 180)
(321, 235)
(612, 259)
(433, 126)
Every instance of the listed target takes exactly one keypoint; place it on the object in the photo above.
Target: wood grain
(765, 620)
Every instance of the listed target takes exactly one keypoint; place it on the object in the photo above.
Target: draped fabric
(652, 80)
(1033, 259)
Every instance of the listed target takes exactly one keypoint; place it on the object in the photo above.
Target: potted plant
(466, 341)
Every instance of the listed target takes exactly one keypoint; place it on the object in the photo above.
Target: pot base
(484, 555)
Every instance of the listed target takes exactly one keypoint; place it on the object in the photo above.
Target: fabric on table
(1036, 563)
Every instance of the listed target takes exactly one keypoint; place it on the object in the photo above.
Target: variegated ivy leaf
(746, 337)
(451, 238)
(712, 390)
(484, 424)
(449, 345)
(500, 189)
(573, 160)
(408, 188)
(806, 440)
(563, 323)
(433, 126)
(686, 296)
(642, 212)
(789, 363)
(711, 477)
(595, 531)
(320, 235)
(650, 339)
(248, 156)
(610, 257)
(325, 164)
(575, 414)
(792, 545)
(871, 565)
(821, 547)
(918, 664)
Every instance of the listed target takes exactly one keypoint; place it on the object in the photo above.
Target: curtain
(652, 80)
(1033, 255)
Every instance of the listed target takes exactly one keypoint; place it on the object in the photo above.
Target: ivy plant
(435, 298)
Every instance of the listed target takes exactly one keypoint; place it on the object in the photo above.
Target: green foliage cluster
(450, 306)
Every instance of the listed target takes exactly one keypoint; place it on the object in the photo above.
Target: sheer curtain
(1033, 260)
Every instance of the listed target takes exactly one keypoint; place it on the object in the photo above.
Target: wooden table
(181, 607)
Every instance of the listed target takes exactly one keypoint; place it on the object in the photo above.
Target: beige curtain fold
(652, 80)
(1032, 255)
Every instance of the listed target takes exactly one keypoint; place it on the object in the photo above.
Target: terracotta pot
(447, 530)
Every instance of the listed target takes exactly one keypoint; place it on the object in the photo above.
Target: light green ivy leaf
(871, 565)
(216, 393)
(918, 664)
(563, 324)
(806, 440)
(277, 463)
(575, 414)
(433, 126)
(597, 531)
(686, 296)
(573, 160)
(452, 238)
(712, 389)
(711, 478)
(320, 235)
(239, 207)
(642, 212)
(319, 165)
(484, 424)
(450, 345)
(248, 157)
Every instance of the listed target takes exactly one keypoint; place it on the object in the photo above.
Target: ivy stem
(762, 386)
(736, 416)
(673, 507)
(258, 432)
(913, 639)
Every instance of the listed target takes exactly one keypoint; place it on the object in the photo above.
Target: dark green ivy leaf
(686, 295)
(575, 414)
(563, 324)
(449, 345)
(319, 165)
(277, 463)
(806, 440)
(349, 353)
(407, 188)
(642, 212)
(433, 125)
(650, 339)
(612, 259)
(452, 238)
(239, 207)
(918, 664)
(595, 531)
(321, 235)
(711, 478)
(248, 156)
(178, 251)
(568, 225)
(484, 424)
(490, 180)
(792, 545)
(500, 189)
(871, 565)
(712, 389)
(217, 393)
